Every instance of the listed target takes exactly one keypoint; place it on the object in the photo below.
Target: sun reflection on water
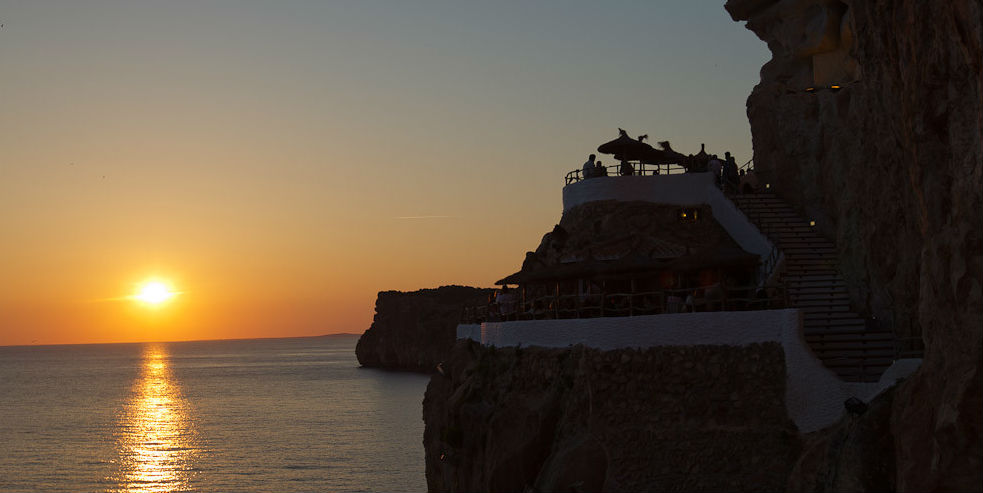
(157, 443)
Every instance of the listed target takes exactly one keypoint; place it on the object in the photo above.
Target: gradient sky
(266, 157)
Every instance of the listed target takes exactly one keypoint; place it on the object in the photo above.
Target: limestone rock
(578, 419)
(890, 165)
(415, 330)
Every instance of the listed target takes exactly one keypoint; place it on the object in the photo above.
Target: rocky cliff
(699, 418)
(415, 330)
(869, 118)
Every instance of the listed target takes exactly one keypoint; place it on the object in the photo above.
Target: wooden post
(556, 301)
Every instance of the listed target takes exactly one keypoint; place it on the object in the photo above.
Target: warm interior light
(812, 223)
(767, 185)
(684, 214)
(810, 89)
(834, 87)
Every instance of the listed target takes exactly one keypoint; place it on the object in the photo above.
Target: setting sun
(154, 293)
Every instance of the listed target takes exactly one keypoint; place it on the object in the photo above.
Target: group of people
(594, 169)
(725, 173)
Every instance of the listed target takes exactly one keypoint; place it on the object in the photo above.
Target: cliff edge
(869, 118)
(415, 330)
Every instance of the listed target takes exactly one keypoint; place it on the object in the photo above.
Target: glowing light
(154, 293)
(157, 440)
(810, 89)
(812, 223)
(767, 185)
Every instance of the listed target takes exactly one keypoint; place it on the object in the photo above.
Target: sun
(154, 293)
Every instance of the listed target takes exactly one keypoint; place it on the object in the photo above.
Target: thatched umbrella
(625, 148)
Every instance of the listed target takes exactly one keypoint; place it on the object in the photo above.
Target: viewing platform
(657, 242)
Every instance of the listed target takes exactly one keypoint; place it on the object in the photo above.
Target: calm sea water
(251, 415)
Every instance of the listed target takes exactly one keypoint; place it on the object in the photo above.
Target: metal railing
(639, 169)
(567, 306)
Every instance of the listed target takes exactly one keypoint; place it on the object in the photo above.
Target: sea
(284, 415)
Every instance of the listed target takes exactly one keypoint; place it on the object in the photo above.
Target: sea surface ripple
(247, 415)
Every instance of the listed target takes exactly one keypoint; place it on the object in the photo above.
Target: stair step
(779, 220)
(795, 237)
(802, 270)
(800, 264)
(848, 336)
(833, 327)
(810, 309)
(831, 292)
(817, 260)
(833, 318)
(819, 297)
(813, 278)
(809, 259)
(858, 362)
(765, 201)
(795, 225)
(849, 348)
(797, 250)
(793, 271)
(815, 284)
(761, 209)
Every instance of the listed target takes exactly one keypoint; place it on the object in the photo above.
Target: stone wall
(415, 330)
(685, 189)
(698, 418)
(890, 166)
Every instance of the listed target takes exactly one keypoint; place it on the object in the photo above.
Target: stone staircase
(838, 335)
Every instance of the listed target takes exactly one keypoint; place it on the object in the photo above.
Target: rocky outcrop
(415, 330)
(869, 118)
(627, 235)
(698, 418)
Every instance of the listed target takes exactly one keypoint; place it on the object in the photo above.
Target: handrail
(640, 169)
(706, 298)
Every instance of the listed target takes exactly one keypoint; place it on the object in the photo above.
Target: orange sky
(264, 157)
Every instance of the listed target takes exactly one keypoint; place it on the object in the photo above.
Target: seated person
(626, 169)
(600, 170)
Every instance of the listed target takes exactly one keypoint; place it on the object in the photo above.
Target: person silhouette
(588, 170)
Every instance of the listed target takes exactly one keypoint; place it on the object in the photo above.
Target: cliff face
(891, 166)
(415, 330)
(702, 418)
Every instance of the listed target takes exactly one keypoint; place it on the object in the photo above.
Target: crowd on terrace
(634, 154)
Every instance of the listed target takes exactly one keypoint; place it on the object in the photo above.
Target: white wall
(678, 189)
(814, 395)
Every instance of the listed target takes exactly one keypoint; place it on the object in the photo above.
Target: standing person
(626, 169)
(731, 176)
(589, 167)
(715, 167)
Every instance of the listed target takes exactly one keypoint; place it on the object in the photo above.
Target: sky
(279, 163)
